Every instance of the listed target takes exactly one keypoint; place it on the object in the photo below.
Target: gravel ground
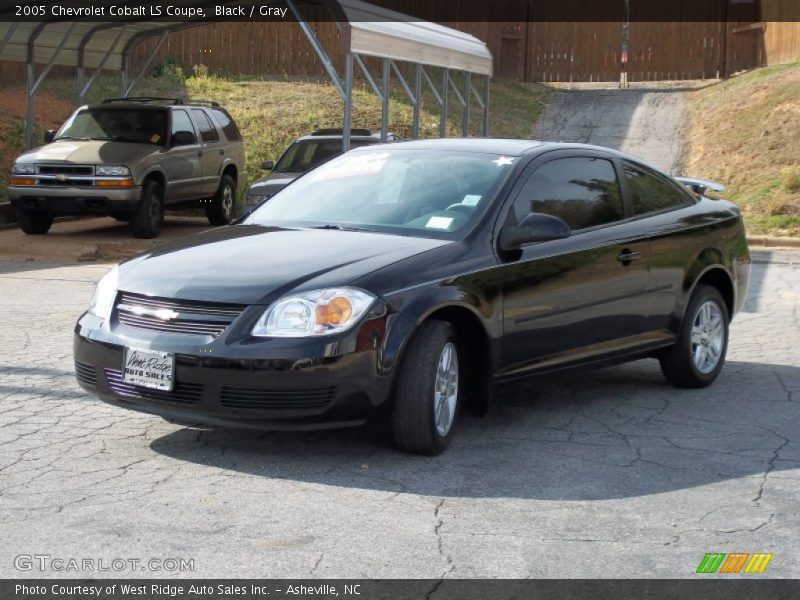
(564, 470)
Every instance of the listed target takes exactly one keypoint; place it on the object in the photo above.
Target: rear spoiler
(701, 185)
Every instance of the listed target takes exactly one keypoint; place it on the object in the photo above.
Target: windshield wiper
(342, 228)
(70, 137)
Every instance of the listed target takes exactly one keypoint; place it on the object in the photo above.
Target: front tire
(427, 394)
(34, 223)
(220, 210)
(149, 215)
(696, 360)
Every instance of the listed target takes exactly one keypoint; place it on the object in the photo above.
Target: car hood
(89, 152)
(271, 183)
(251, 264)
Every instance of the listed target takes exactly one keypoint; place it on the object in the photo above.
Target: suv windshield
(141, 126)
(304, 156)
(427, 193)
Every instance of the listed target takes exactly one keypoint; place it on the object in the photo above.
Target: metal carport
(366, 30)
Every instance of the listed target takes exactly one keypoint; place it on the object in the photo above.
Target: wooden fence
(530, 48)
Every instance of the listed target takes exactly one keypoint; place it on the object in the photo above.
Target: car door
(182, 163)
(213, 151)
(584, 296)
(657, 202)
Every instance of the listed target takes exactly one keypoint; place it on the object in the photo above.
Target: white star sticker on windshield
(503, 160)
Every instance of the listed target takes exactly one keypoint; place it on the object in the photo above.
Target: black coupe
(402, 280)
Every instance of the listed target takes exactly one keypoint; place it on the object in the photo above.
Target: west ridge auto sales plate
(148, 368)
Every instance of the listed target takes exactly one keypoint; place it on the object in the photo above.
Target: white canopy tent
(366, 30)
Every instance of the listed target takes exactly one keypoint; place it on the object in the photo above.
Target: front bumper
(264, 384)
(58, 200)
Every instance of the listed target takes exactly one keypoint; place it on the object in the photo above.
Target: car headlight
(112, 171)
(104, 294)
(24, 169)
(314, 313)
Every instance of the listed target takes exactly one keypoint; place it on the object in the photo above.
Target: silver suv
(129, 158)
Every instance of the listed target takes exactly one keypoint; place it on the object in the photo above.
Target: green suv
(129, 158)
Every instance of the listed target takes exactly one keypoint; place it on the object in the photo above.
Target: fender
(708, 260)
(419, 303)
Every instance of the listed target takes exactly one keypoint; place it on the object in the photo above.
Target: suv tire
(428, 377)
(146, 220)
(220, 210)
(699, 353)
(34, 223)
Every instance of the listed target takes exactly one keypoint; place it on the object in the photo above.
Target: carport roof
(372, 31)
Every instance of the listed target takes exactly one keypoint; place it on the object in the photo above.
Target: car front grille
(86, 374)
(69, 181)
(182, 393)
(65, 170)
(186, 317)
(272, 399)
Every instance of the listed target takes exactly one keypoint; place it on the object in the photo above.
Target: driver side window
(582, 191)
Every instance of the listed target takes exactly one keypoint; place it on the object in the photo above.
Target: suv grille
(183, 393)
(65, 170)
(175, 316)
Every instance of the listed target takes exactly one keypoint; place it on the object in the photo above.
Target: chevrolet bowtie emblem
(165, 314)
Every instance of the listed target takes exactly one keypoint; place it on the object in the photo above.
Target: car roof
(479, 145)
(510, 147)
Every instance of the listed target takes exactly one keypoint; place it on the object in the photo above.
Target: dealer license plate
(149, 368)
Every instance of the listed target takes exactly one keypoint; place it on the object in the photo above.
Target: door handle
(222, 152)
(200, 153)
(627, 256)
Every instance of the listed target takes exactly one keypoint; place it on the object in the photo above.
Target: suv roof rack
(174, 101)
(340, 131)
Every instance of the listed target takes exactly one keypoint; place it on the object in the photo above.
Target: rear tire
(149, 215)
(220, 210)
(696, 359)
(427, 394)
(34, 223)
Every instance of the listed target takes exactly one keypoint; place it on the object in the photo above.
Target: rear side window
(229, 128)
(181, 122)
(650, 193)
(582, 191)
(207, 130)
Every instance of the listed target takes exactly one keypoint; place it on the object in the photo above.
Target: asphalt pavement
(609, 473)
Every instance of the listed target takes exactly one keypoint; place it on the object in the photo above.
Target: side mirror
(268, 165)
(49, 135)
(182, 138)
(536, 227)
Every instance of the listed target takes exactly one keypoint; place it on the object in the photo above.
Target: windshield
(428, 193)
(116, 124)
(304, 156)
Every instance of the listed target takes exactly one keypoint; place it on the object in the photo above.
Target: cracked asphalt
(609, 473)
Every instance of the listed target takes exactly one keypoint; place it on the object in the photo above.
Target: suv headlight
(24, 169)
(112, 171)
(314, 313)
(104, 295)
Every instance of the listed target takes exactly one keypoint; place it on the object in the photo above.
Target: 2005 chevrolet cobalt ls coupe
(403, 280)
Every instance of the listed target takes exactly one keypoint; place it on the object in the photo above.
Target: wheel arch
(474, 344)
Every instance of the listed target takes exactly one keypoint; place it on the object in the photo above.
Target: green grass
(745, 132)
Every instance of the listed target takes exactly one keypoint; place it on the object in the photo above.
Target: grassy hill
(271, 113)
(745, 132)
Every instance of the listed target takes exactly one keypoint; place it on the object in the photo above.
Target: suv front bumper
(57, 200)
